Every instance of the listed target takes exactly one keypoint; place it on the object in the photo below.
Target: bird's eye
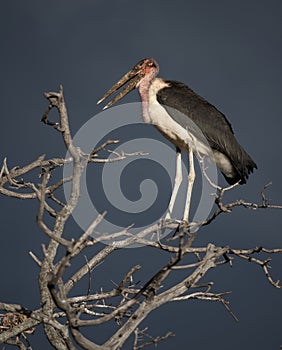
(150, 64)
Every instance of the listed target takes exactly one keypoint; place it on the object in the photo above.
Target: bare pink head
(141, 74)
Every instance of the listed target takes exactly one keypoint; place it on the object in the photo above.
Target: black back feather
(213, 124)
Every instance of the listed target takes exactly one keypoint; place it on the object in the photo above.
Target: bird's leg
(191, 178)
(177, 182)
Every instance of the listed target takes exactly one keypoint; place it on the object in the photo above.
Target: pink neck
(143, 88)
(145, 104)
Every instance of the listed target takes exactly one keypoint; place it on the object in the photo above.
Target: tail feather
(242, 170)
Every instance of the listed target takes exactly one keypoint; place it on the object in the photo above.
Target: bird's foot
(167, 216)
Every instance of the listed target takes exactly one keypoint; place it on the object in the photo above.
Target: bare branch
(140, 334)
(126, 303)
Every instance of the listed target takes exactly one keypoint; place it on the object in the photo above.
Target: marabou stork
(162, 100)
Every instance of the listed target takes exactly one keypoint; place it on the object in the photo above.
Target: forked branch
(129, 301)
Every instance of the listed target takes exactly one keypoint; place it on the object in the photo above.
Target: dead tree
(128, 304)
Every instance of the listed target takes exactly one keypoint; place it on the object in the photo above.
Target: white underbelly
(184, 138)
(223, 163)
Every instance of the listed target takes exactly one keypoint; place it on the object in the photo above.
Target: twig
(35, 258)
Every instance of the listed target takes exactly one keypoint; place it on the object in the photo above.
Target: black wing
(213, 124)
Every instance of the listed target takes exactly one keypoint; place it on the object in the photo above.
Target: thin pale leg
(191, 178)
(177, 182)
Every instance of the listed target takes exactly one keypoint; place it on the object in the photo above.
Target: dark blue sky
(228, 52)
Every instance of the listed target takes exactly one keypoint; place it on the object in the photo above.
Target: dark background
(230, 53)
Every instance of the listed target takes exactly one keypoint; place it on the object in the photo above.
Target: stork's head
(145, 70)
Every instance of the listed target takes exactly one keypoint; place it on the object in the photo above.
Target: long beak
(132, 78)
